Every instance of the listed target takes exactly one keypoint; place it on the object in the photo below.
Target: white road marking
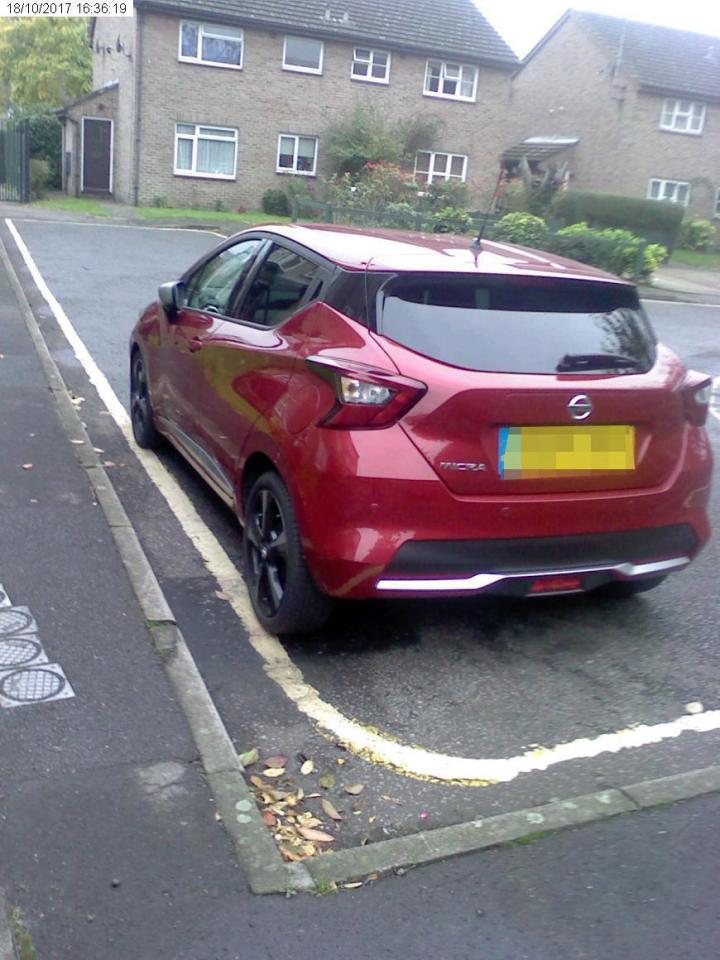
(415, 761)
(131, 226)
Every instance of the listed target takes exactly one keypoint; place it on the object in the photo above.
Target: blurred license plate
(550, 451)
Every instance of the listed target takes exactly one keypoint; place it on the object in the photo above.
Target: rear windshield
(518, 325)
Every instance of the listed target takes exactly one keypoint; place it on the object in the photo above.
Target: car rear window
(518, 325)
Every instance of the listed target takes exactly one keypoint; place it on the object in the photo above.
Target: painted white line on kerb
(278, 665)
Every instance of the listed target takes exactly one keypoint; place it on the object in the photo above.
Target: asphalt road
(449, 676)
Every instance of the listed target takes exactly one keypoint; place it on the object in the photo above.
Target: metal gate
(14, 161)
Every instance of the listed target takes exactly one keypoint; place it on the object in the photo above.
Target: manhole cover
(17, 652)
(14, 620)
(31, 685)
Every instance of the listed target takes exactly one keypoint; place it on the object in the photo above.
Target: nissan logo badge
(580, 407)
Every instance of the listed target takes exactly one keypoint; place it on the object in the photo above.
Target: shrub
(377, 186)
(696, 234)
(276, 203)
(401, 214)
(362, 139)
(617, 251)
(522, 228)
(451, 220)
(160, 202)
(39, 175)
(45, 133)
(652, 219)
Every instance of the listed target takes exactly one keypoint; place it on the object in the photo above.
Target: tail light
(365, 398)
(697, 392)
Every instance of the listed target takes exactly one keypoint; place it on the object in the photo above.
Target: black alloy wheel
(282, 591)
(141, 412)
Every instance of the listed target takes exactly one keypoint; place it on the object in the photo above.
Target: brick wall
(109, 64)
(262, 100)
(570, 87)
(103, 105)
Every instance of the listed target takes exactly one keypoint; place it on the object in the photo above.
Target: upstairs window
(676, 191)
(211, 43)
(456, 81)
(370, 65)
(431, 166)
(205, 151)
(303, 55)
(682, 116)
(297, 154)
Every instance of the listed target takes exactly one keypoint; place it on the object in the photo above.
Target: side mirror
(170, 296)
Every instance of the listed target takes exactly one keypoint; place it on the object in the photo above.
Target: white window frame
(293, 171)
(432, 176)
(370, 64)
(194, 139)
(295, 69)
(209, 30)
(661, 189)
(444, 65)
(671, 116)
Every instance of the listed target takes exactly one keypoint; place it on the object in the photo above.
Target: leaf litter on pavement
(287, 811)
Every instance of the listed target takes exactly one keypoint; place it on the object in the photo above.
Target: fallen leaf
(218, 817)
(222, 596)
(98, 450)
(290, 854)
(372, 819)
(274, 772)
(258, 782)
(354, 789)
(317, 836)
(371, 876)
(340, 761)
(353, 886)
(77, 442)
(27, 466)
(330, 810)
(307, 768)
(278, 761)
(327, 781)
(250, 757)
(269, 818)
(109, 463)
(312, 796)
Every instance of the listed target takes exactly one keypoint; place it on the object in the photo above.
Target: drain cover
(34, 685)
(15, 620)
(19, 651)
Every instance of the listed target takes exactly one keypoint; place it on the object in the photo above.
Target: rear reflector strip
(556, 585)
(481, 581)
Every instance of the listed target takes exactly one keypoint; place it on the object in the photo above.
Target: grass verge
(75, 205)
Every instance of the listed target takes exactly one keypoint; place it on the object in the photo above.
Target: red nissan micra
(403, 415)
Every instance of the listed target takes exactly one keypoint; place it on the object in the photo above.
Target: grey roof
(660, 58)
(450, 27)
(540, 148)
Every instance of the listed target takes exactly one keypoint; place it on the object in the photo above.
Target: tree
(366, 137)
(44, 61)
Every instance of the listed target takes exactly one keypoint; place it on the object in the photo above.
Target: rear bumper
(398, 530)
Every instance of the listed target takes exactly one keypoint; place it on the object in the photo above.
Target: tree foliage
(366, 137)
(44, 62)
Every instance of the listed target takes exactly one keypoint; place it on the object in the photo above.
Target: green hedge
(654, 220)
(45, 133)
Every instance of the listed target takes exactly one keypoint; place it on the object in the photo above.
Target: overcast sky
(521, 23)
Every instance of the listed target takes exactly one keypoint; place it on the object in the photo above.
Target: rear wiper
(595, 361)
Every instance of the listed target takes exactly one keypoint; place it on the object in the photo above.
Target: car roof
(399, 250)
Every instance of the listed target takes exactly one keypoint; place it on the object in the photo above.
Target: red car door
(246, 361)
(210, 295)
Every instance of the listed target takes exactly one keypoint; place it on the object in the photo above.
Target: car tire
(141, 411)
(630, 588)
(282, 591)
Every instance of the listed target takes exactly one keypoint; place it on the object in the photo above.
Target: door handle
(195, 344)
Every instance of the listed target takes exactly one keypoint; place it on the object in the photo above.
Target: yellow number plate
(549, 451)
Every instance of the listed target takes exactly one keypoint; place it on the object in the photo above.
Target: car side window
(281, 284)
(215, 285)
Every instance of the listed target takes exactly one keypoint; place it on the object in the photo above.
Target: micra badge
(464, 467)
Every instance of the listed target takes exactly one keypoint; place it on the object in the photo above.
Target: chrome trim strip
(481, 581)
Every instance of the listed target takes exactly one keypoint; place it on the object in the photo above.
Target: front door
(96, 155)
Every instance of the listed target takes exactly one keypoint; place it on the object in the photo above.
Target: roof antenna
(476, 245)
